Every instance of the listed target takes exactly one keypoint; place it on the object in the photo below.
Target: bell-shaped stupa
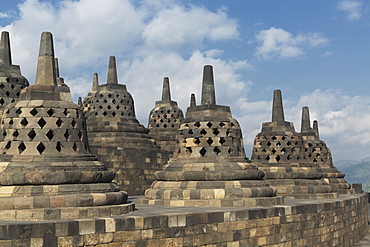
(117, 137)
(209, 167)
(279, 151)
(316, 152)
(165, 119)
(11, 79)
(47, 170)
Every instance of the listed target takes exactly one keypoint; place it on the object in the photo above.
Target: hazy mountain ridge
(356, 172)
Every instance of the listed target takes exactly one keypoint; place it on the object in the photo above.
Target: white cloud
(278, 43)
(4, 15)
(352, 8)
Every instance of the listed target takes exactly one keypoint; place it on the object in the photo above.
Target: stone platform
(331, 222)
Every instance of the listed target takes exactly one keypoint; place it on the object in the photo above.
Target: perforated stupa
(209, 166)
(47, 170)
(11, 79)
(279, 151)
(316, 152)
(165, 119)
(117, 137)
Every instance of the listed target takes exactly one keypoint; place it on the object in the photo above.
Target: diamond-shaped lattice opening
(41, 123)
(274, 138)
(58, 146)
(50, 134)
(283, 150)
(32, 134)
(268, 158)
(258, 157)
(288, 143)
(113, 101)
(277, 158)
(74, 147)
(222, 124)
(216, 132)
(13, 100)
(288, 157)
(117, 107)
(109, 95)
(16, 133)
(217, 150)
(273, 151)
(232, 124)
(24, 122)
(59, 122)
(7, 93)
(190, 132)
(80, 135)
(203, 132)
(209, 124)
(2, 101)
(2, 86)
(12, 86)
(65, 112)
(100, 107)
(18, 111)
(222, 140)
(197, 124)
(40, 148)
(189, 150)
(209, 141)
(73, 123)
(196, 141)
(21, 147)
(283, 138)
(33, 112)
(314, 160)
(105, 113)
(278, 144)
(50, 112)
(7, 146)
(164, 125)
(203, 152)
(11, 121)
(113, 114)
(263, 150)
(309, 144)
(105, 101)
(67, 135)
(268, 143)
(229, 150)
(109, 107)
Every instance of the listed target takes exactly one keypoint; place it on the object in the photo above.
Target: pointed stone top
(5, 53)
(208, 86)
(166, 93)
(80, 102)
(112, 71)
(192, 100)
(277, 107)
(45, 74)
(305, 121)
(46, 44)
(95, 86)
(316, 129)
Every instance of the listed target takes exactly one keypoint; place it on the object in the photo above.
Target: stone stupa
(47, 170)
(11, 79)
(279, 151)
(165, 119)
(117, 137)
(317, 152)
(209, 167)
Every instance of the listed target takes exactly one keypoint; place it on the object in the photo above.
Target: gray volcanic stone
(280, 152)
(117, 137)
(46, 164)
(209, 166)
(316, 152)
(165, 119)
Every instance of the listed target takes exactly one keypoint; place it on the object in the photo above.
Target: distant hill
(357, 173)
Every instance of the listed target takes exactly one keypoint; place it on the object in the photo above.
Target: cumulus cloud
(278, 43)
(4, 15)
(352, 8)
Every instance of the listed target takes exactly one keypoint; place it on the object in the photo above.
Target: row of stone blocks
(334, 222)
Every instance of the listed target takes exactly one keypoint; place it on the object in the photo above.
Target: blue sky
(316, 52)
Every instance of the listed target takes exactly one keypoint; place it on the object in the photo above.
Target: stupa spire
(277, 107)
(112, 71)
(316, 129)
(305, 124)
(5, 53)
(166, 93)
(208, 86)
(95, 85)
(45, 74)
(56, 63)
(192, 100)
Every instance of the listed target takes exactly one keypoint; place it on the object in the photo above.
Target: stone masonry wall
(332, 222)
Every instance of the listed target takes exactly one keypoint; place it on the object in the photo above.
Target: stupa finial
(277, 107)
(208, 86)
(80, 102)
(5, 53)
(166, 93)
(112, 71)
(316, 129)
(45, 74)
(192, 100)
(95, 86)
(305, 123)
